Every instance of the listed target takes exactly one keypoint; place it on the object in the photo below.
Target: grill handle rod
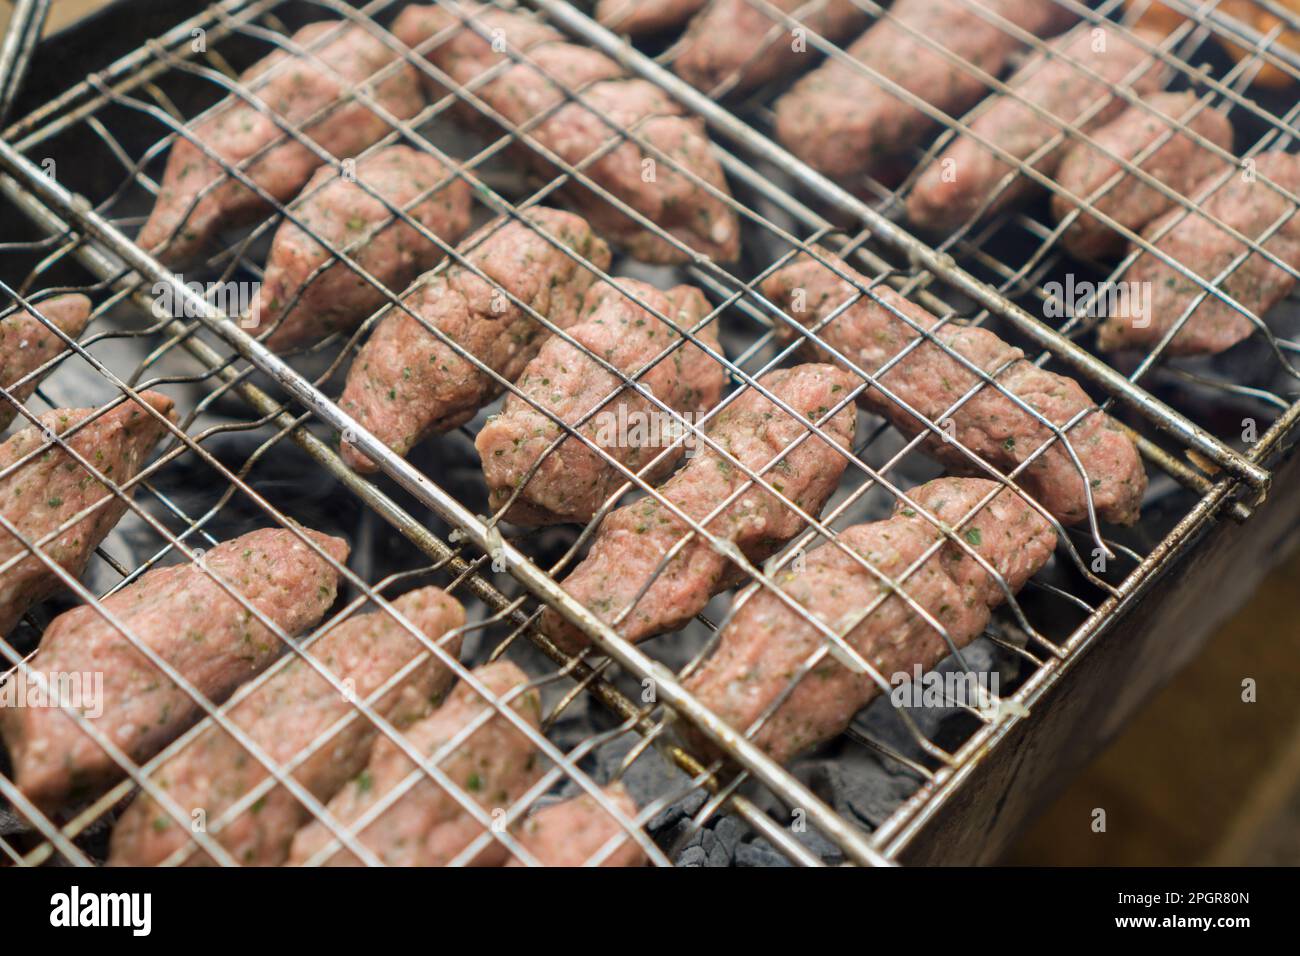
(20, 42)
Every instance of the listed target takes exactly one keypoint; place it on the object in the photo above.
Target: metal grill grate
(106, 138)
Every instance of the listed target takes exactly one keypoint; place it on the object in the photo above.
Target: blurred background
(1199, 777)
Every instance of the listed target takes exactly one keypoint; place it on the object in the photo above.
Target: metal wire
(23, 33)
(108, 109)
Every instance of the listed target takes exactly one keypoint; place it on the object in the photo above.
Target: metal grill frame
(115, 256)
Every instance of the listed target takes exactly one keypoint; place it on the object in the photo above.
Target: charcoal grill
(1080, 648)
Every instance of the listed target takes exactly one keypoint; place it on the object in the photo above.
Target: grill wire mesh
(248, 451)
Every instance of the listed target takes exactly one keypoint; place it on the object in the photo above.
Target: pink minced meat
(310, 304)
(286, 715)
(187, 619)
(753, 432)
(843, 121)
(27, 343)
(573, 481)
(1253, 208)
(53, 486)
(764, 642)
(294, 87)
(989, 424)
(578, 131)
(406, 383)
(1180, 163)
(427, 826)
(968, 174)
(572, 832)
(736, 41)
(641, 17)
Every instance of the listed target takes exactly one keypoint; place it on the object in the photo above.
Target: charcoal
(858, 785)
(705, 849)
(693, 856)
(675, 836)
(729, 832)
(683, 809)
(651, 778)
(10, 823)
(759, 853)
(819, 845)
(715, 844)
(882, 724)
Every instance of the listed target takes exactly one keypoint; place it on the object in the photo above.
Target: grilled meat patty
(968, 175)
(753, 432)
(1179, 162)
(735, 39)
(571, 832)
(310, 304)
(426, 825)
(187, 619)
(1251, 206)
(640, 17)
(869, 334)
(295, 88)
(765, 643)
(842, 121)
(572, 480)
(406, 383)
(284, 717)
(27, 343)
(581, 132)
(50, 488)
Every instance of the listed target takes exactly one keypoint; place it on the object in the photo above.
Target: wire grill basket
(257, 438)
